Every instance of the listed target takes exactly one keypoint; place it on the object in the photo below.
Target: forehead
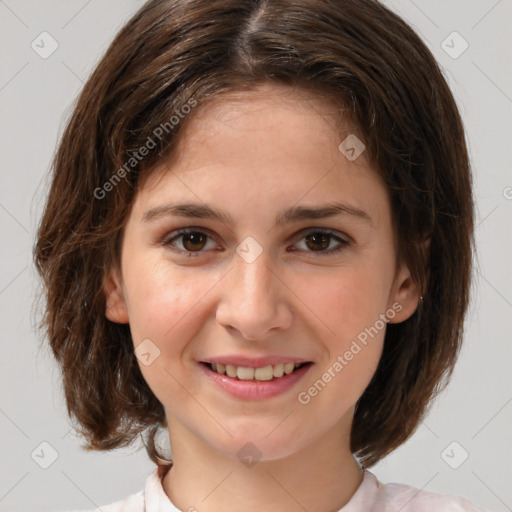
(270, 104)
(275, 144)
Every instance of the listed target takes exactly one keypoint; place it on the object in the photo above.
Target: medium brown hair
(356, 53)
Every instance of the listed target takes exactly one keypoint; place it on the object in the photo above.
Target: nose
(255, 301)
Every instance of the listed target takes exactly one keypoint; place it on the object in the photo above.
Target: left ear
(115, 308)
(404, 297)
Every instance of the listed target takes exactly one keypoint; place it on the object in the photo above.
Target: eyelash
(194, 254)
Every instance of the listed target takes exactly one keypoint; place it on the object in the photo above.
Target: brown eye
(318, 241)
(192, 241)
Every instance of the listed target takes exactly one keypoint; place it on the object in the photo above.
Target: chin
(255, 443)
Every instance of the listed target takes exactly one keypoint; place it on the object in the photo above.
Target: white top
(371, 496)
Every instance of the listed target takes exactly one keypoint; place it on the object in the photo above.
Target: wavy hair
(357, 54)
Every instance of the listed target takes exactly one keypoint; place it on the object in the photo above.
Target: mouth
(264, 373)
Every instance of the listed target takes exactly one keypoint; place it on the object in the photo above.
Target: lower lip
(256, 390)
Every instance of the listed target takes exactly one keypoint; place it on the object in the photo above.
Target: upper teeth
(265, 373)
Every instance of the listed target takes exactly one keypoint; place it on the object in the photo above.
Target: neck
(323, 477)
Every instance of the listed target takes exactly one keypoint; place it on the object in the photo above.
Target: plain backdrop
(463, 447)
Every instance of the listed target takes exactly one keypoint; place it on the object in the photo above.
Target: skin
(252, 155)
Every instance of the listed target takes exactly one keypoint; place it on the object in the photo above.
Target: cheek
(165, 308)
(348, 309)
(345, 300)
(163, 301)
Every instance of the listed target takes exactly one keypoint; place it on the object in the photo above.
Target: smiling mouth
(266, 373)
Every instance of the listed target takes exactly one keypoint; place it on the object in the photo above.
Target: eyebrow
(294, 214)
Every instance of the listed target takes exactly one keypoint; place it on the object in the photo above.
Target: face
(255, 285)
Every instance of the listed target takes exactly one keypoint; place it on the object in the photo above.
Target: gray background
(475, 411)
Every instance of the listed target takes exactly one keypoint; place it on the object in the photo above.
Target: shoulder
(151, 497)
(394, 496)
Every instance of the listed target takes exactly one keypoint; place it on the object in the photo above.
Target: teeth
(279, 370)
(288, 368)
(230, 370)
(245, 373)
(265, 373)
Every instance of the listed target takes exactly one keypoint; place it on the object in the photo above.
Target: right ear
(115, 309)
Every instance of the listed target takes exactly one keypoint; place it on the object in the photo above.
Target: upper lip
(253, 362)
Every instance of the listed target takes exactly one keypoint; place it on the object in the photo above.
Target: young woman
(259, 237)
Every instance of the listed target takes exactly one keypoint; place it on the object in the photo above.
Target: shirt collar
(156, 500)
